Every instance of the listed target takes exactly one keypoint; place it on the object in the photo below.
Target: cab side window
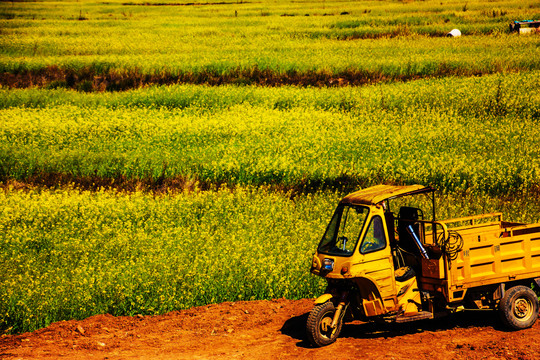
(375, 238)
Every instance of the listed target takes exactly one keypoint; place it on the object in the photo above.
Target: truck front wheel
(319, 330)
(519, 307)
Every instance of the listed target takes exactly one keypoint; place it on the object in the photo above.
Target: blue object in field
(410, 230)
(516, 25)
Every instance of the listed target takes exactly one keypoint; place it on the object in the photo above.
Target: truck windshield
(344, 230)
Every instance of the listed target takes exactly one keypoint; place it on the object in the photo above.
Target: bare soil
(269, 330)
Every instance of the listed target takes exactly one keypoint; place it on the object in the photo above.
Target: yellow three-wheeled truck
(397, 266)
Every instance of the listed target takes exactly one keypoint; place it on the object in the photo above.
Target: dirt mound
(268, 330)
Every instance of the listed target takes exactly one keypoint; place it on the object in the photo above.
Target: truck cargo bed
(493, 252)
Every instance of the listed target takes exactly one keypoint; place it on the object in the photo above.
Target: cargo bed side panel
(491, 256)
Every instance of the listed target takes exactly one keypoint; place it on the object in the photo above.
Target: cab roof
(375, 194)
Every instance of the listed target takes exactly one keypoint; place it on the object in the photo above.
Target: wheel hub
(522, 308)
(326, 324)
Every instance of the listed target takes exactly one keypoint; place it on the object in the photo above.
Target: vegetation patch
(94, 79)
(157, 159)
(68, 254)
(473, 133)
(251, 43)
(183, 4)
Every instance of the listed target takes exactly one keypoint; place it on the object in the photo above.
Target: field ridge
(90, 79)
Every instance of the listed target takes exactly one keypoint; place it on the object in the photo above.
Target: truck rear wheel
(519, 307)
(319, 331)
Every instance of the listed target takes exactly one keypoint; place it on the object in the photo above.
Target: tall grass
(502, 94)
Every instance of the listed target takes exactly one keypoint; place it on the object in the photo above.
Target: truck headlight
(328, 264)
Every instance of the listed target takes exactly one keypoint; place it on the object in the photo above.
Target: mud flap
(323, 298)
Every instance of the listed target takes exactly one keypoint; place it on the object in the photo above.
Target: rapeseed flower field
(72, 254)
(117, 45)
(144, 169)
(460, 134)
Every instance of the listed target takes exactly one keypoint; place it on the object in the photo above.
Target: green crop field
(478, 134)
(91, 45)
(71, 254)
(160, 155)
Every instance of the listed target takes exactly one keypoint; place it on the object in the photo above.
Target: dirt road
(268, 330)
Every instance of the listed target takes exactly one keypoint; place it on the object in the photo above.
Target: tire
(519, 307)
(318, 328)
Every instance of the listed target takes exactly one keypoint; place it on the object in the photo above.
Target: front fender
(323, 298)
